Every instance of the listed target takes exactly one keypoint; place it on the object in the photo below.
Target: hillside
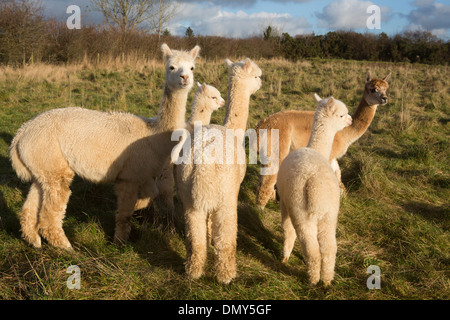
(396, 214)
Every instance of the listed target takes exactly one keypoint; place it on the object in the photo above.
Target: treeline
(26, 37)
(417, 46)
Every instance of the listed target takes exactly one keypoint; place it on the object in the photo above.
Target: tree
(189, 32)
(128, 15)
(22, 31)
(163, 12)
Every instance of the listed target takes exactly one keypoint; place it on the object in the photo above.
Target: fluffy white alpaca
(101, 147)
(207, 100)
(210, 190)
(310, 194)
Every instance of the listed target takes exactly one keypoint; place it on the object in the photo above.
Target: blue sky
(242, 18)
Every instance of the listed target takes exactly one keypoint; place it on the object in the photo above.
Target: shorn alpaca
(310, 195)
(295, 127)
(207, 100)
(210, 190)
(101, 147)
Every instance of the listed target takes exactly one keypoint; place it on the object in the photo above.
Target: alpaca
(207, 100)
(310, 196)
(295, 127)
(100, 147)
(210, 190)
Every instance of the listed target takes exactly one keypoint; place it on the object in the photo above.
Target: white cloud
(210, 19)
(430, 15)
(347, 14)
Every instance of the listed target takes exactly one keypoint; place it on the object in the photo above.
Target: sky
(244, 18)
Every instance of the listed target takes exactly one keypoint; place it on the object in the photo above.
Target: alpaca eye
(373, 90)
(172, 68)
(192, 68)
(214, 98)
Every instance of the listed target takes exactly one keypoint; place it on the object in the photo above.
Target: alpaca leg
(148, 192)
(127, 194)
(29, 216)
(266, 189)
(55, 196)
(165, 186)
(224, 233)
(307, 234)
(328, 248)
(196, 242)
(337, 172)
(288, 232)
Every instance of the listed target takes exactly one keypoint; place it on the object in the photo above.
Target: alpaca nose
(185, 77)
(384, 99)
(349, 120)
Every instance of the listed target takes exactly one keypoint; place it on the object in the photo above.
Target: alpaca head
(179, 67)
(375, 90)
(334, 111)
(210, 95)
(246, 73)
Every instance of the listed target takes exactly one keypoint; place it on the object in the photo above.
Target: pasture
(395, 215)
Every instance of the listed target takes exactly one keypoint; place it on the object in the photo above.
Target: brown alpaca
(295, 128)
(101, 147)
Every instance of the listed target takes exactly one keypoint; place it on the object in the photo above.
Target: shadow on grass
(439, 215)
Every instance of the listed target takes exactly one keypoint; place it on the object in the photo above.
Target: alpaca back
(307, 182)
(96, 145)
(207, 184)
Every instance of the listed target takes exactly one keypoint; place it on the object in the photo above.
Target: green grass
(396, 213)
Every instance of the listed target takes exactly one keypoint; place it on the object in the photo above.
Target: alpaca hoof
(285, 260)
(193, 273)
(225, 279)
(35, 242)
(63, 244)
(327, 283)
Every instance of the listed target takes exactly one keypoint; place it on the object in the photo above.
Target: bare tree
(164, 12)
(128, 15)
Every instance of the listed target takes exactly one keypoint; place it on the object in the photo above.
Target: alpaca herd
(138, 156)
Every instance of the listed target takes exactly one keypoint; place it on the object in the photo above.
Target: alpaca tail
(19, 167)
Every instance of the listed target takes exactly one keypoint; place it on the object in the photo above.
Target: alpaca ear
(194, 52)
(166, 50)
(199, 84)
(368, 76)
(248, 65)
(317, 98)
(388, 77)
(203, 87)
(228, 63)
(331, 106)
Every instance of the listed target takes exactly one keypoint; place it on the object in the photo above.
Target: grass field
(396, 214)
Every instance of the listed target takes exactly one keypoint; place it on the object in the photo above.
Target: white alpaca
(210, 190)
(207, 100)
(310, 194)
(101, 147)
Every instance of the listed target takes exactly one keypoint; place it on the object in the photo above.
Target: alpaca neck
(321, 138)
(172, 110)
(200, 112)
(237, 107)
(362, 118)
